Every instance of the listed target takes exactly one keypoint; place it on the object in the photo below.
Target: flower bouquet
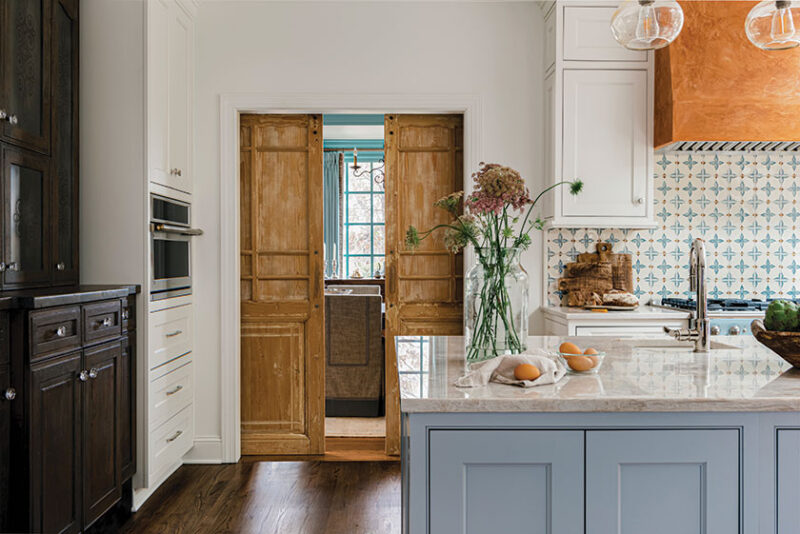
(496, 220)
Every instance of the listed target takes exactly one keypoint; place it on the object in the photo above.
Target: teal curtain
(331, 193)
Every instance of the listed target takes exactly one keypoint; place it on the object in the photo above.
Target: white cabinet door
(505, 481)
(180, 99)
(588, 37)
(606, 144)
(662, 481)
(158, 15)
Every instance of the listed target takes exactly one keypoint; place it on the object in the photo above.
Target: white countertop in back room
(638, 375)
(644, 312)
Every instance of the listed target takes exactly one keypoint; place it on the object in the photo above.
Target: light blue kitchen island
(661, 441)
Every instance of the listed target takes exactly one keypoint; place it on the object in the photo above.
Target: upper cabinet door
(26, 186)
(158, 15)
(65, 142)
(180, 100)
(605, 144)
(25, 65)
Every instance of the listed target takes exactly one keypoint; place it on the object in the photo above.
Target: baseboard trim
(206, 450)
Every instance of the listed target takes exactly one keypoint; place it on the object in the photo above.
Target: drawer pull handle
(93, 372)
(83, 376)
(174, 436)
(175, 390)
(175, 333)
(61, 331)
(106, 322)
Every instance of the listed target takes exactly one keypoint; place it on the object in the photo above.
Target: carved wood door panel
(424, 287)
(281, 231)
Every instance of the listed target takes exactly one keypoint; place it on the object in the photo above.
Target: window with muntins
(364, 219)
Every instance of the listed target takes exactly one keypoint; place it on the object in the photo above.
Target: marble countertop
(644, 312)
(636, 376)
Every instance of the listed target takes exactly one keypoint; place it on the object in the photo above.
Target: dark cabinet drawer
(54, 330)
(102, 321)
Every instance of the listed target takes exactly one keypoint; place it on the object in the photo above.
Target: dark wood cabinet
(102, 481)
(5, 442)
(73, 423)
(65, 142)
(54, 454)
(26, 243)
(25, 30)
(39, 140)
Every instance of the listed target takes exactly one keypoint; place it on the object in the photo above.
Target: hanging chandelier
(377, 171)
(647, 24)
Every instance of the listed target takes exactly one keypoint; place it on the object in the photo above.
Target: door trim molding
(231, 105)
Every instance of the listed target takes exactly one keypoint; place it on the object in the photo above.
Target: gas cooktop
(724, 305)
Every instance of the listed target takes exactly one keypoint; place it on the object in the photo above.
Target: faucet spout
(700, 325)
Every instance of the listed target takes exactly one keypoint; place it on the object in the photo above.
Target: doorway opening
(331, 304)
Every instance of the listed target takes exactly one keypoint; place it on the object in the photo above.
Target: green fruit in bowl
(782, 316)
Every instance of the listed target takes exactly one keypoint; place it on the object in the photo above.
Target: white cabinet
(645, 322)
(605, 143)
(787, 469)
(598, 116)
(170, 94)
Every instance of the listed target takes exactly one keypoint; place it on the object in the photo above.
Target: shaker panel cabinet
(55, 446)
(25, 66)
(6, 398)
(64, 216)
(487, 482)
(605, 143)
(170, 94)
(662, 481)
(788, 488)
(26, 243)
(102, 483)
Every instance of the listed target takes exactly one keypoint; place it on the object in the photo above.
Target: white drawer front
(621, 331)
(170, 334)
(170, 441)
(171, 393)
(588, 37)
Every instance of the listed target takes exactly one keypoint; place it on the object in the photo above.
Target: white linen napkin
(500, 369)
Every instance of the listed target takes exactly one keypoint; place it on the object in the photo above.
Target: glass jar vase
(495, 304)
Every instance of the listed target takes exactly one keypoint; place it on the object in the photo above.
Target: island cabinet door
(503, 481)
(788, 470)
(662, 481)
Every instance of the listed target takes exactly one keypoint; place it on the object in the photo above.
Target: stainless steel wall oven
(171, 247)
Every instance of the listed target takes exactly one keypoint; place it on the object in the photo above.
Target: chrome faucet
(699, 325)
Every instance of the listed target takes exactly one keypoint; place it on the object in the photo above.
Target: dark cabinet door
(127, 413)
(65, 142)
(6, 398)
(26, 186)
(25, 95)
(55, 445)
(102, 482)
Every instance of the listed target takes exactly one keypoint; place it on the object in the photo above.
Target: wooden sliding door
(424, 288)
(282, 357)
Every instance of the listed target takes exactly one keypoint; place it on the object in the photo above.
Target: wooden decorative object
(784, 344)
(597, 273)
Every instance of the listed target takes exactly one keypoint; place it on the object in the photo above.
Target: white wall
(493, 50)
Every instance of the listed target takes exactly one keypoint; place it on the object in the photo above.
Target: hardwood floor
(318, 497)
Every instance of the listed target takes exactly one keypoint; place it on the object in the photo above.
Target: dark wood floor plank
(257, 497)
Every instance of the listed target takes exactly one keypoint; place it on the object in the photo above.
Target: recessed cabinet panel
(788, 471)
(180, 36)
(27, 234)
(662, 481)
(587, 36)
(605, 143)
(484, 481)
(65, 143)
(25, 98)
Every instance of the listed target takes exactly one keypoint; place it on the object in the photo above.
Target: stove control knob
(735, 331)
(715, 330)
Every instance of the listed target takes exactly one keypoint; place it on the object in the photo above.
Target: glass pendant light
(647, 24)
(771, 25)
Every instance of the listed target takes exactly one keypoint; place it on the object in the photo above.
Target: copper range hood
(714, 90)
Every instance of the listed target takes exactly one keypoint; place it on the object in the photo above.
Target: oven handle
(171, 229)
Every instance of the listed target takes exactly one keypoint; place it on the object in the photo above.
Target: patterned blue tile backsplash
(745, 206)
